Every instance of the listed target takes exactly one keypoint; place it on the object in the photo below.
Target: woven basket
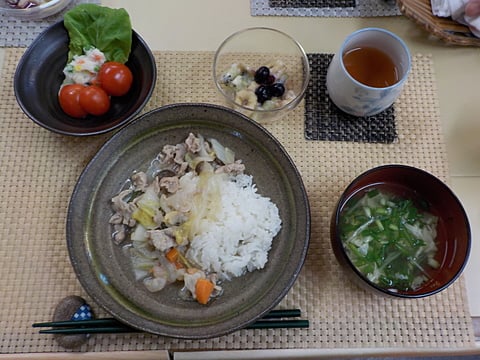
(446, 29)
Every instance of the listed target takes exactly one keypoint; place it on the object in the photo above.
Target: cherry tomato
(69, 99)
(94, 100)
(115, 78)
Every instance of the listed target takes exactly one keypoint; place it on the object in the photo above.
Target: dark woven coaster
(324, 121)
(311, 3)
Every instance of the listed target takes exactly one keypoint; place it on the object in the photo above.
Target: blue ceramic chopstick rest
(84, 312)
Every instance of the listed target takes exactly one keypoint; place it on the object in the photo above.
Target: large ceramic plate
(103, 268)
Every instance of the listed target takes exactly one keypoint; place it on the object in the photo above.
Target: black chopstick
(90, 330)
(260, 324)
(272, 320)
(273, 314)
(277, 314)
(107, 322)
(280, 324)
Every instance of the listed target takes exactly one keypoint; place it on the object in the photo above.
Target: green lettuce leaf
(107, 29)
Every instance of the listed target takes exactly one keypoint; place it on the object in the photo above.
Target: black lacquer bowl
(39, 75)
(428, 194)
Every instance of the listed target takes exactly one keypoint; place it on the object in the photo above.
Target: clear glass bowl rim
(43, 10)
(306, 71)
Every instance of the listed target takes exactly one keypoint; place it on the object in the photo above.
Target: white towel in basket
(456, 10)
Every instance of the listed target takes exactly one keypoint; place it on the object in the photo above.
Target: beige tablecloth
(40, 168)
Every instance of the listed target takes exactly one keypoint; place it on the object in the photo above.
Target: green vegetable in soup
(389, 240)
(107, 29)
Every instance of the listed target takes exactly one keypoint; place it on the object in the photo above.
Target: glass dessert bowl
(261, 72)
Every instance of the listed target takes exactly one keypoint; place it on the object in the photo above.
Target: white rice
(237, 239)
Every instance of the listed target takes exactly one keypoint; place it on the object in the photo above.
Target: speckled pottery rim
(102, 267)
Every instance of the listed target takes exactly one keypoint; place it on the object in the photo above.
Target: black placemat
(324, 121)
(311, 3)
(18, 32)
(324, 8)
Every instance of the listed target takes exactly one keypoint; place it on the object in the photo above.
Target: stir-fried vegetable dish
(194, 217)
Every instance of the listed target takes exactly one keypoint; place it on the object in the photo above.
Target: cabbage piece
(139, 234)
(154, 284)
(194, 160)
(148, 206)
(141, 264)
(224, 154)
(205, 150)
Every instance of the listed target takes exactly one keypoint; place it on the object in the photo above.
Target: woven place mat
(324, 8)
(324, 121)
(40, 169)
(17, 32)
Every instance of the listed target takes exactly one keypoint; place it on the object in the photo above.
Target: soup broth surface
(391, 191)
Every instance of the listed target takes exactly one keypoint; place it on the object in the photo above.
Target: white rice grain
(238, 238)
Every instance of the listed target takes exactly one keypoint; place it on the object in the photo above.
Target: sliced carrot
(203, 290)
(179, 265)
(172, 255)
